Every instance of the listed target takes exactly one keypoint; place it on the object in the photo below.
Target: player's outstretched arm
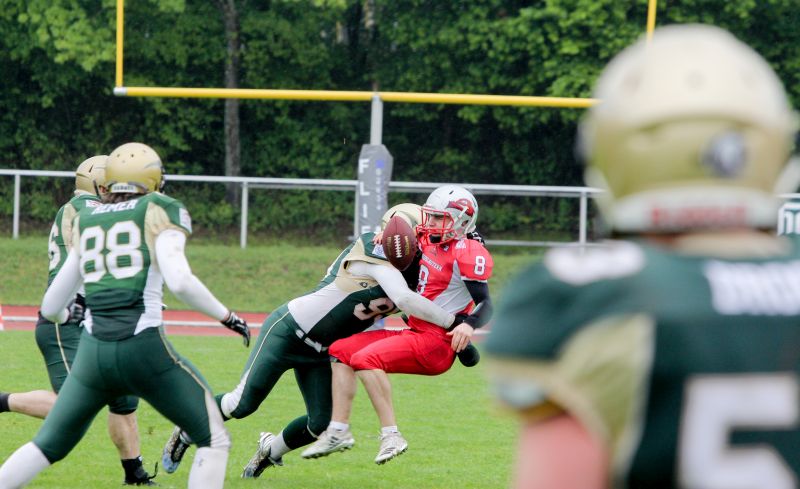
(62, 290)
(171, 258)
(412, 304)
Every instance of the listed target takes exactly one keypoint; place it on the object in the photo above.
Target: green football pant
(145, 365)
(278, 349)
(58, 344)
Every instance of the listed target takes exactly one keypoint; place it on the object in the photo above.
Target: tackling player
(359, 287)
(453, 273)
(59, 342)
(671, 359)
(124, 250)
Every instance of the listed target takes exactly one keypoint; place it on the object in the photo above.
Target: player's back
(116, 242)
(688, 364)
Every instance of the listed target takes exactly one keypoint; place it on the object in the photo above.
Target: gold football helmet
(411, 213)
(134, 168)
(693, 130)
(91, 175)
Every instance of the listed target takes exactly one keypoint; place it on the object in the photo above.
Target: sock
(278, 447)
(388, 430)
(22, 466)
(131, 466)
(186, 438)
(4, 402)
(208, 468)
(335, 425)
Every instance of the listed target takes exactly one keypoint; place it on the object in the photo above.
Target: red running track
(176, 322)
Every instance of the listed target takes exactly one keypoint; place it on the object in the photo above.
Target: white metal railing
(582, 193)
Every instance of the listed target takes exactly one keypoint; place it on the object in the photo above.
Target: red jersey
(442, 272)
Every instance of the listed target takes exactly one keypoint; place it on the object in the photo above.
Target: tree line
(58, 63)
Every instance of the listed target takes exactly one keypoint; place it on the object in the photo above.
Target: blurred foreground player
(670, 359)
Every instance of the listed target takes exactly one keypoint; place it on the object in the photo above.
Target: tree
(233, 148)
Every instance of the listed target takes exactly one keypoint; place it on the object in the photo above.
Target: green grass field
(457, 437)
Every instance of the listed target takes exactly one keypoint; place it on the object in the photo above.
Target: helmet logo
(463, 205)
(726, 155)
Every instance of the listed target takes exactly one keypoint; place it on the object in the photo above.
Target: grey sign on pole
(374, 175)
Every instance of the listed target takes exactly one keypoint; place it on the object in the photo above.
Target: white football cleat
(330, 441)
(392, 445)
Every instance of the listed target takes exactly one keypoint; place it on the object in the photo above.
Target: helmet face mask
(90, 176)
(693, 131)
(449, 213)
(134, 168)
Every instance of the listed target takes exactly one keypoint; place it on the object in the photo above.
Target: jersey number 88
(122, 257)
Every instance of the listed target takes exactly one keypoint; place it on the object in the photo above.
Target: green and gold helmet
(134, 168)
(693, 130)
(411, 213)
(91, 175)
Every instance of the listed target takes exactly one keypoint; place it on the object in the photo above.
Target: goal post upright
(120, 42)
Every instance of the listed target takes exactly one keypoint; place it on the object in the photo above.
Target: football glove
(77, 309)
(477, 237)
(469, 356)
(237, 325)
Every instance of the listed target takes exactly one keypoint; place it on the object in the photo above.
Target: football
(399, 242)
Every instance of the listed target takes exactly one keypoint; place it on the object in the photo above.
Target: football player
(453, 273)
(123, 251)
(358, 288)
(59, 342)
(668, 359)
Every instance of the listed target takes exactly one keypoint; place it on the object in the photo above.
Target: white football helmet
(134, 168)
(693, 130)
(411, 213)
(91, 175)
(458, 211)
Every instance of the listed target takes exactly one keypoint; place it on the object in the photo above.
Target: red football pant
(396, 352)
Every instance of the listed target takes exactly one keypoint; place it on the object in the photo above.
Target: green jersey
(60, 241)
(685, 366)
(116, 245)
(344, 304)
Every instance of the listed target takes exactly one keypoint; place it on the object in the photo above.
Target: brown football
(399, 243)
